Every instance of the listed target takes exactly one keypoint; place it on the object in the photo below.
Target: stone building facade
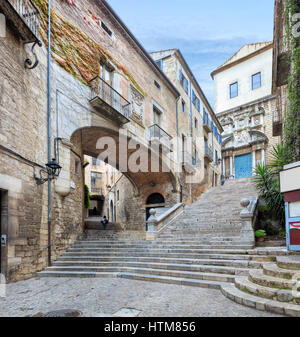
(199, 130)
(245, 105)
(104, 87)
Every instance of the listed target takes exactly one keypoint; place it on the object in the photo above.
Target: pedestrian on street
(104, 222)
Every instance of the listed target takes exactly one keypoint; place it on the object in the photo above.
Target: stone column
(231, 166)
(254, 159)
(223, 167)
(263, 156)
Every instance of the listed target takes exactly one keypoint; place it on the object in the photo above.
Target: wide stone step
(208, 249)
(159, 272)
(244, 284)
(271, 269)
(162, 246)
(167, 266)
(259, 303)
(173, 280)
(288, 296)
(67, 274)
(289, 262)
(216, 256)
(117, 259)
(257, 276)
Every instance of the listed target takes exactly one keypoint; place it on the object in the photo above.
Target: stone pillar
(223, 167)
(254, 159)
(231, 166)
(263, 156)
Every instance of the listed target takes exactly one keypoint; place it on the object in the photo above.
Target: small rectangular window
(157, 85)
(256, 81)
(234, 90)
(196, 123)
(108, 31)
(183, 106)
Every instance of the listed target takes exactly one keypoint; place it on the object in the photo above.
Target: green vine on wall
(74, 50)
(291, 132)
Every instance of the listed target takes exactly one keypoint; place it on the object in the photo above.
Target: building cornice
(247, 105)
(241, 60)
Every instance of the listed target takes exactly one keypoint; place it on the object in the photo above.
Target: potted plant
(260, 235)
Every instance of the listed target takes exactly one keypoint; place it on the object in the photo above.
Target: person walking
(104, 222)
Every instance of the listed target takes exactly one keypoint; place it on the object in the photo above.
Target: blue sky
(206, 32)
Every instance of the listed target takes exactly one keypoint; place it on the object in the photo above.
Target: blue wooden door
(243, 166)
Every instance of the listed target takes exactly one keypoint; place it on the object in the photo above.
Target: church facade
(246, 106)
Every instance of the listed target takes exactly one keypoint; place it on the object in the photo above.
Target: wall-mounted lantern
(290, 186)
(53, 168)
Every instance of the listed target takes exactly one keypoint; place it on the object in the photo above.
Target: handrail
(101, 89)
(157, 132)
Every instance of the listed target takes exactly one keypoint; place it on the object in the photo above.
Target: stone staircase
(202, 248)
(274, 288)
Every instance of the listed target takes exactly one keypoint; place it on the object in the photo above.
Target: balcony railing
(96, 190)
(157, 133)
(206, 123)
(208, 153)
(29, 15)
(109, 102)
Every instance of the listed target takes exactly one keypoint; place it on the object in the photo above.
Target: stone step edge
(259, 303)
(189, 275)
(244, 284)
(151, 260)
(257, 276)
(152, 265)
(272, 269)
(139, 277)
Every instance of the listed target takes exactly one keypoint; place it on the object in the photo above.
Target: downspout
(192, 133)
(178, 158)
(49, 131)
(191, 117)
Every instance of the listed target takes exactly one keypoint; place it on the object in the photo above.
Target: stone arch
(261, 137)
(155, 198)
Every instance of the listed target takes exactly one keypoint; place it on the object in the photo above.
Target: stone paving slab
(108, 297)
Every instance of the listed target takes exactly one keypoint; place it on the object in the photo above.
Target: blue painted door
(243, 166)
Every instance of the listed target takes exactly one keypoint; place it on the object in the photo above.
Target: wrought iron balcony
(189, 162)
(206, 123)
(96, 190)
(277, 123)
(208, 153)
(106, 100)
(24, 15)
(158, 134)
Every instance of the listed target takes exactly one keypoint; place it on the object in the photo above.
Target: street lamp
(53, 168)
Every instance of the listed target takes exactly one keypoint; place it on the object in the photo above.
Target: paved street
(101, 297)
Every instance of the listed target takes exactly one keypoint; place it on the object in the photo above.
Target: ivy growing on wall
(74, 50)
(291, 133)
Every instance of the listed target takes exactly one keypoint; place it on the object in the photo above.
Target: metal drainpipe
(191, 117)
(49, 131)
(178, 158)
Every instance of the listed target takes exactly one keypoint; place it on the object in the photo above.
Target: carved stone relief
(137, 102)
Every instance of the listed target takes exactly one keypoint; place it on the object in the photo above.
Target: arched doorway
(155, 200)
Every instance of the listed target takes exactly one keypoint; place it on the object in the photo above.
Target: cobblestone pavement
(101, 297)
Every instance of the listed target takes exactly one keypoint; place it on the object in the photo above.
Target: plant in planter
(260, 235)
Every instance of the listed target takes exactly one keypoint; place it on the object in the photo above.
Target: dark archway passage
(155, 200)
